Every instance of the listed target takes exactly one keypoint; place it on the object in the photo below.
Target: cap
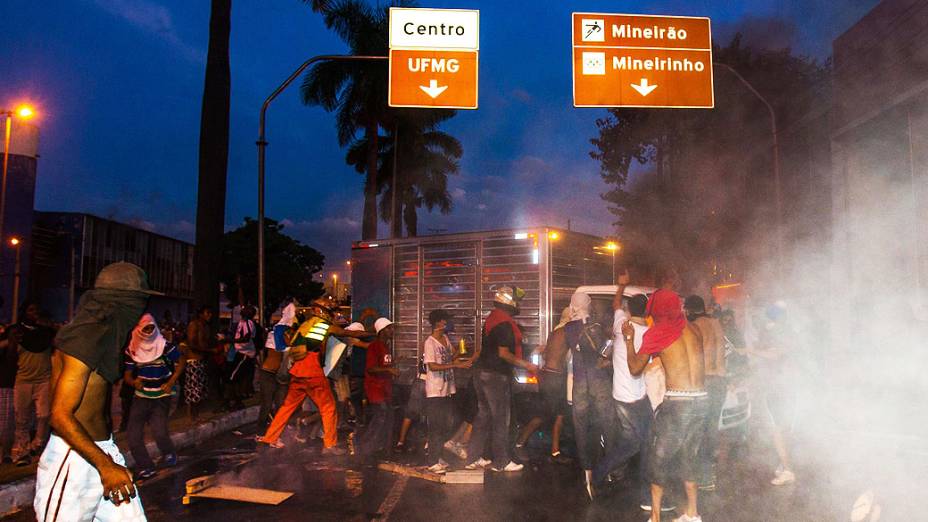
(381, 323)
(124, 276)
(327, 303)
(355, 327)
(509, 295)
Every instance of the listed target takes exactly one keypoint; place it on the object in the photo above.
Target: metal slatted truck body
(405, 279)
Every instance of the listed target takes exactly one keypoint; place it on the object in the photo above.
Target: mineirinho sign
(622, 60)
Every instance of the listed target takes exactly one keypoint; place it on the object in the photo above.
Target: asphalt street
(344, 488)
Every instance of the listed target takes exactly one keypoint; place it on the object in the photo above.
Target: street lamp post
(777, 189)
(25, 112)
(613, 247)
(17, 244)
(262, 145)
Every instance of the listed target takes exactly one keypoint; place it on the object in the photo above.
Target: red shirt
(377, 386)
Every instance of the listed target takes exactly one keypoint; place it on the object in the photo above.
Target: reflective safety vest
(313, 334)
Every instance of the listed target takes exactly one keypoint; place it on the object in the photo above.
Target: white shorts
(68, 488)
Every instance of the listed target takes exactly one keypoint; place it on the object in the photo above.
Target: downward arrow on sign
(644, 89)
(433, 89)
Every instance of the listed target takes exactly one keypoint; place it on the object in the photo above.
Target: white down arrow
(644, 89)
(433, 89)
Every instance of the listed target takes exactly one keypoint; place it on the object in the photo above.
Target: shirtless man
(678, 425)
(710, 332)
(81, 474)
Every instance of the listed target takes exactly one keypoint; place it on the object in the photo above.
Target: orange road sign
(430, 79)
(434, 58)
(642, 61)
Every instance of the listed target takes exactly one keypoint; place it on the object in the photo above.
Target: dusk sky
(118, 86)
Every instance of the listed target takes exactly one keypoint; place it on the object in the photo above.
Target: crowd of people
(644, 381)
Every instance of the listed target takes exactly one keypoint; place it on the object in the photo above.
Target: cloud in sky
(154, 19)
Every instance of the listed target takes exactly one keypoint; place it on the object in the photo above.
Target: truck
(405, 279)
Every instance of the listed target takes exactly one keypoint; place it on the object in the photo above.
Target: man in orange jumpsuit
(307, 379)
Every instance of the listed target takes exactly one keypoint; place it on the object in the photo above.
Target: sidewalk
(17, 484)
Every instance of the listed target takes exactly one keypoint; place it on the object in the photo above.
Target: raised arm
(623, 281)
(67, 397)
(636, 361)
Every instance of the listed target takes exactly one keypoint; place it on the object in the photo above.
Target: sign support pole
(262, 145)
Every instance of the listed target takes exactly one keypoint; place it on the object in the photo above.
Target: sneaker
(559, 458)
(400, 447)
(439, 467)
(277, 444)
(512, 466)
(169, 460)
(458, 451)
(783, 478)
(478, 464)
(708, 486)
(333, 451)
(646, 506)
(685, 518)
(24, 461)
(146, 474)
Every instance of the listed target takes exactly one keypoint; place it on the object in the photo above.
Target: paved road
(345, 489)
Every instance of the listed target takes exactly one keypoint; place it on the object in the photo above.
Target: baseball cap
(381, 323)
(124, 276)
(509, 295)
(355, 327)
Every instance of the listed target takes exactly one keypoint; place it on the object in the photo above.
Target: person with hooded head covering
(586, 333)
(272, 381)
(97, 485)
(152, 368)
(678, 425)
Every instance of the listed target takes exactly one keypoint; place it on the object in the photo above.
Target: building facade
(880, 157)
(70, 249)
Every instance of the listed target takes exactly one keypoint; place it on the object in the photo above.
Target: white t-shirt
(625, 386)
(438, 383)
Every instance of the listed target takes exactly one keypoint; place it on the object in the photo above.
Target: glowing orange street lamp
(25, 112)
(613, 247)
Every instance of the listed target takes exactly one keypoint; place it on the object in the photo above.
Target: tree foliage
(694, 188)
(290, 264)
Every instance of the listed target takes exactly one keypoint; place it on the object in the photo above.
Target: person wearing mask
(272, 382)
(199, 349)
(31, 393)
(709, 330)
(306, 350)
(592, 381)
(440, 362)
(81, 474)
(8, 366)
(152, 368)
(500, 351)
(240, 361)
(378, 387)
(678, 425)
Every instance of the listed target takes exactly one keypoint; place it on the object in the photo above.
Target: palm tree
(214, 156)
(427, 156)
(357, 91)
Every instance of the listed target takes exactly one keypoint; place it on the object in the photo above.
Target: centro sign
(433, 58)
(434, 28)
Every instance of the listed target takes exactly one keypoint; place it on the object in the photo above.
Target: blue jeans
(717, 388)
(494, 392)
(628, 437)
(593, 400)
(676, 435)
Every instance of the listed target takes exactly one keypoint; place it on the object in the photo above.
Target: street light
(613, 247)
(335, 286)
(17, 244)
(25, 112)
(776, 160)
(262, 145)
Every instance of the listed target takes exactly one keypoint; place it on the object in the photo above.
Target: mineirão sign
(434, 58)
(642, 61)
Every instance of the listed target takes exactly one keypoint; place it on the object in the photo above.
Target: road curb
(16, 496)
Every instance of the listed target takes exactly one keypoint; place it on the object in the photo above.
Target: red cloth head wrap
(666, 309)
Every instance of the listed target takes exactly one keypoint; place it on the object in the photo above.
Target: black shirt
(489, 360)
